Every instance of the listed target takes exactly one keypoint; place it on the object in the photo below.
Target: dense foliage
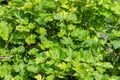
(60, 40)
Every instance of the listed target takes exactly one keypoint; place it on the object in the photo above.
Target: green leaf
(61, 33)
(75, 32)
(19, 67)
(32, 68)
(55, 53)
(66, 40)
(2, 12)
(116, 8)
(38, 77)
(5, 70)
(27, 5)
(33, 51)
(71, 27)
(17, 77)
(47, 44)
(116, 44)
(87, 43)
(49, 4)
(1, 0)
(48, 18)
(3, 52)
(81, 34)
(30, 39)
(22, 21)
(100, 70)
(21, 49)
(62, 65)
(50, 77)
(116, 33)
(5, 30)
(97, 75)
(31, 26)
(58, 16)
(41, 31)
(16, 37)
(18, 50)
(59, 40)
(71, 17)
(22, 28)
(49, 70)
(40, 20)
(107, 65)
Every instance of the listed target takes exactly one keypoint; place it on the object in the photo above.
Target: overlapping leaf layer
(60, 40)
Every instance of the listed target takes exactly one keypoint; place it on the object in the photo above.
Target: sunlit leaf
(30, 39)
(71, 17)
(5, 30)
(58, 16)
(116, 44)
(66, 40)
